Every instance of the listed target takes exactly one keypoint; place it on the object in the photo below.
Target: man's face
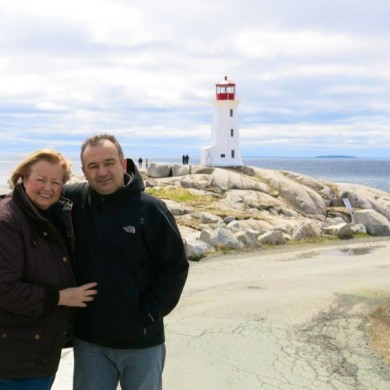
(102, 167)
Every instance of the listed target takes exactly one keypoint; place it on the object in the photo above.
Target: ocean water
(373, 172)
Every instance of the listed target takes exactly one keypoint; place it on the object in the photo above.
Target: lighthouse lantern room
(225, 142)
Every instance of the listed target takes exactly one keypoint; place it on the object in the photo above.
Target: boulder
(375, 223)
(363, 197)
(273, 237)
(208, 218)
(197, 249)
(358, 228)
(259, 226)
(159, 170)
(181, 170)
(304, 232)
(341, 230)
(248, 238)
(221, 238)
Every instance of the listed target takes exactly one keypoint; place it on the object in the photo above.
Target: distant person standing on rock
(185, 159)
(127, 241)
(140, 162)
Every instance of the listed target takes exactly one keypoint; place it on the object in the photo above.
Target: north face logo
(129, 229)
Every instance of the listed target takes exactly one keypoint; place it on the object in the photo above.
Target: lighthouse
(224, 150)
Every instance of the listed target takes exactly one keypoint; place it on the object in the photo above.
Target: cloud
(313, 77)
(265, 44)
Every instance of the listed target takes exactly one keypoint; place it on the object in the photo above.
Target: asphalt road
(282, 319)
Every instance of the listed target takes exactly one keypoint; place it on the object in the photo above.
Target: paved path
(281, 319)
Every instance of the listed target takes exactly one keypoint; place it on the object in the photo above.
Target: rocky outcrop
(249, 207)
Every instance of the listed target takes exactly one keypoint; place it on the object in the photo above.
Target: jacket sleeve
(171, 269)
(18, 295)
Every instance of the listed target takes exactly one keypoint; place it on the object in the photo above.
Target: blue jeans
(43, 383)
(101, 368)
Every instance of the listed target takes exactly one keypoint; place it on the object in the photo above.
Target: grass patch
(180, 195)
(237, 214)
(314, 240)
(361, 235)
(299, 243)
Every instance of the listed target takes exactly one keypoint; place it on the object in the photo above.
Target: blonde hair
(23, 169)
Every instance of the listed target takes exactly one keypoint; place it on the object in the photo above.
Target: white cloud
(263, 43)
(309, 76)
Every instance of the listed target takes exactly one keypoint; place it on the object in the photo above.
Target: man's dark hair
(98, 139)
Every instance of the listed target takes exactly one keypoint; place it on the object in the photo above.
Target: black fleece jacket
(128, 242)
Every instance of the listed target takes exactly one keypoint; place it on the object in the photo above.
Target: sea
(372, 172)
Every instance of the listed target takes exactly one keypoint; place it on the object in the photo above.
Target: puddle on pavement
(341, 252)
(350, 251)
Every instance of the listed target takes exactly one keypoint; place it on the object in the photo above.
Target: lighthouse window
(232, 153)
(231, 112)
(232, 132)
(223, 155)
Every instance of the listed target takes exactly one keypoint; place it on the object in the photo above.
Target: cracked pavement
(280, 319)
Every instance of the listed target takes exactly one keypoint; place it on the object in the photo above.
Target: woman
(37, 286)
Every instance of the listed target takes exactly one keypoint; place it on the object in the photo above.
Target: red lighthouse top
(225, 90)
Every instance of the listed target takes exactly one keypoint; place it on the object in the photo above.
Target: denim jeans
(43, 383)
(102, 368)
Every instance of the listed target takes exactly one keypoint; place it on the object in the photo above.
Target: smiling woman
(37, 285)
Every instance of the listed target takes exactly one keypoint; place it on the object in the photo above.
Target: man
(128, 243)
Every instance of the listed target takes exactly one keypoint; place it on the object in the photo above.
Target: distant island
(336, 156)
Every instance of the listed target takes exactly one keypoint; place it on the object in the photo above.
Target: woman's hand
(77, 296)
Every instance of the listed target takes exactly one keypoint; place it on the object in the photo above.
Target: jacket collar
(133, 184)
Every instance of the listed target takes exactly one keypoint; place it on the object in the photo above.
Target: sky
(313, 77)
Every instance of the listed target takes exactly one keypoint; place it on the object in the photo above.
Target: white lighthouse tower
(224, 150)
